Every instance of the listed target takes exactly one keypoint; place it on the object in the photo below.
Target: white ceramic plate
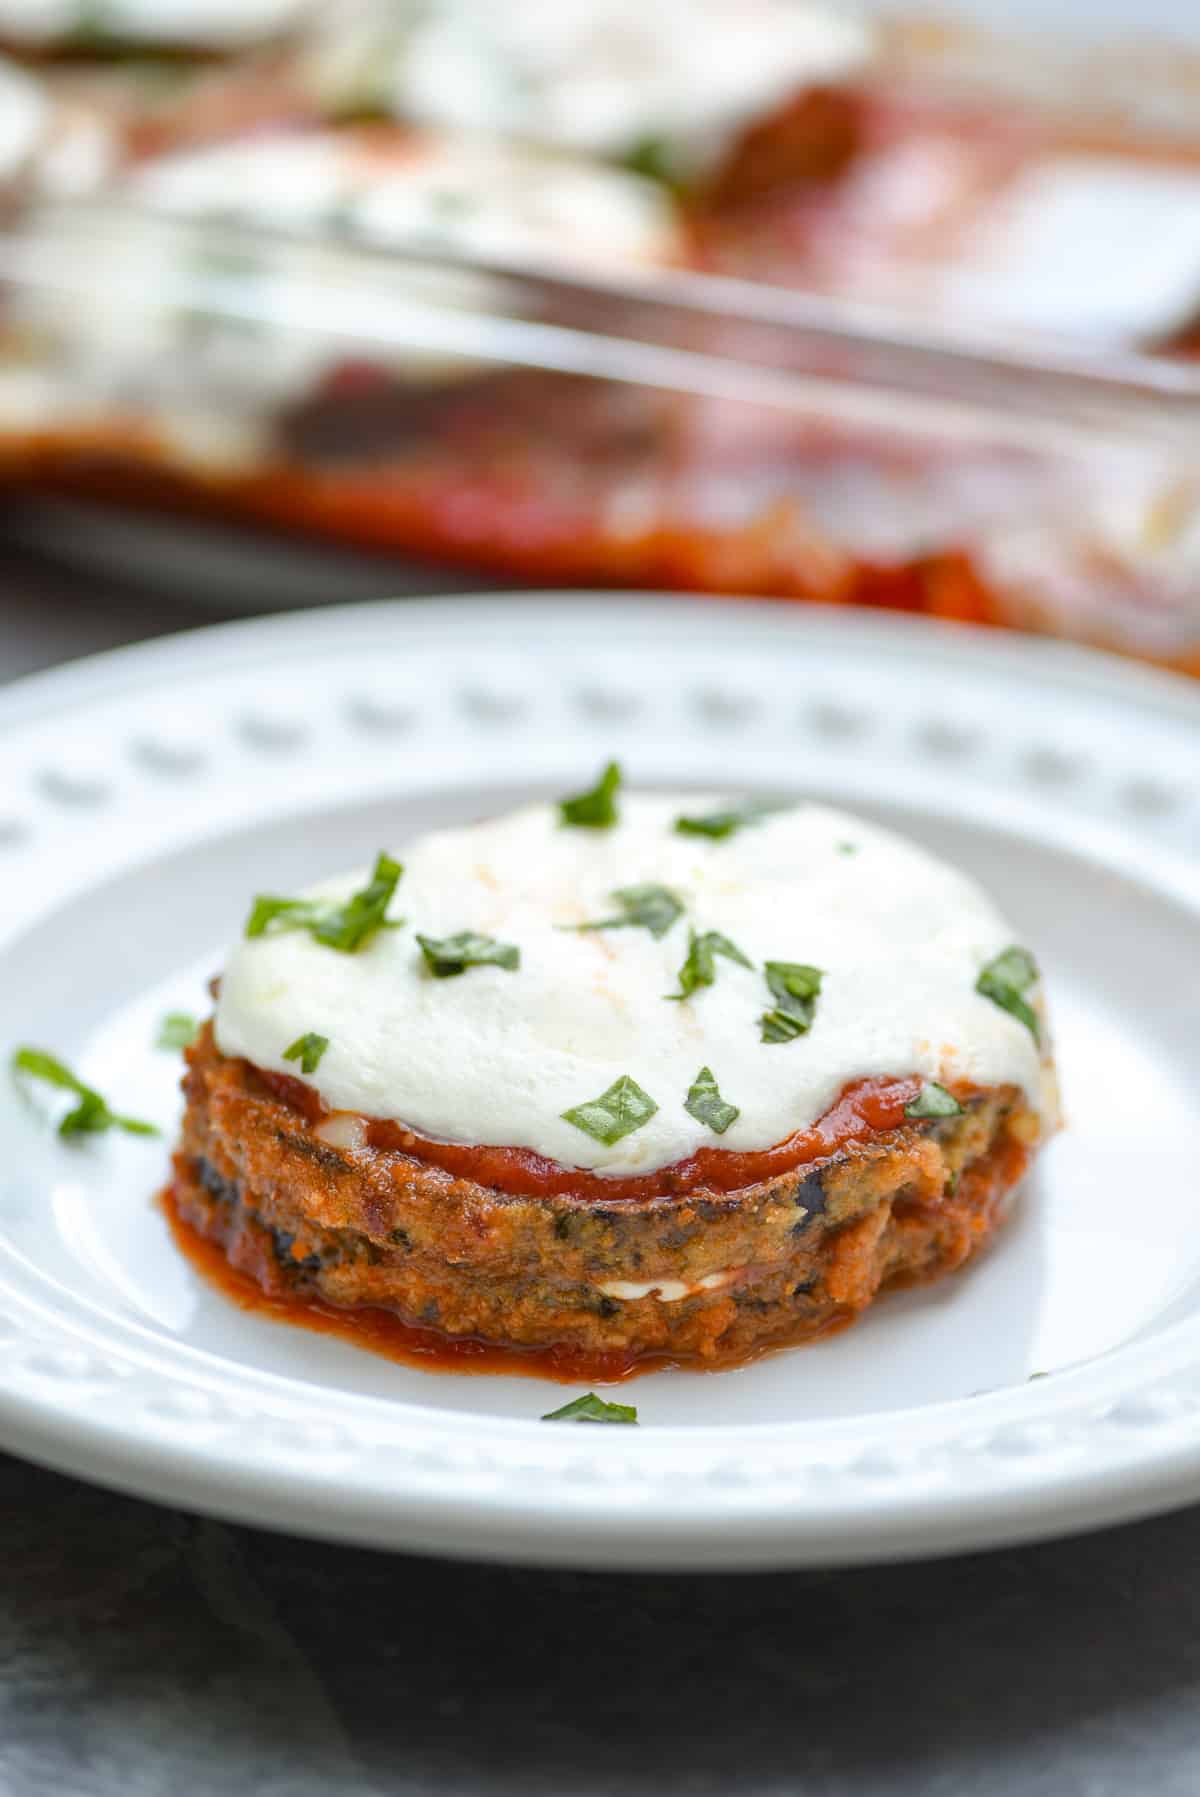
(145, 795)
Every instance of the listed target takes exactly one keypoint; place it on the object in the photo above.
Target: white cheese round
(211, 393)
(493, 1056)
(593, 75)
(24, 117)
(427, 191)
(192, 23)
(1106, 247)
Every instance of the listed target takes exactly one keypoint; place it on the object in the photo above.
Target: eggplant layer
(705, 1274)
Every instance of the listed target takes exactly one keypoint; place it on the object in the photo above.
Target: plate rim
(1083, 665)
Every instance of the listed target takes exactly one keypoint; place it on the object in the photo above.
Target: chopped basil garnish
(933, 1101)
(270, 915)
(591, 1409)
(346, 928)
(597, 809)
(616, 1113)
(446, 956)
(653, 908)
(706, 1105)
(795, 988)
(1006, 979)
(724, 823)
(847, 848)
(308, 1050)
(650, 156)
(91, 1116)
(700, 968)
(176, 1031)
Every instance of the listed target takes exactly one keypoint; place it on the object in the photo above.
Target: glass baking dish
(791, 370)
(670, 432)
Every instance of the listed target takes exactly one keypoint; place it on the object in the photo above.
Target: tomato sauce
(866, 1108)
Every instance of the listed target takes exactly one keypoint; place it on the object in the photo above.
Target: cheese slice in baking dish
(1098, 246)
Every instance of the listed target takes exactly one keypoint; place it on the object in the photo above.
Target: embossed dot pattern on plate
(945, 740)
(1150, 797)
(72, 790)
(273, 735)
(724, 707)
(380, 715)
(174, 761)
(837, 722)
(607, 704)
(488, 705)
(1024, 1440)
(184, 1406)
(1148, 1409)
(880, 1464)
(70, 1365)
(1052, 767)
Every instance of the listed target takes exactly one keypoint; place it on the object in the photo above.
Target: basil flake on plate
(176, 1031)
(92, 1115)
(591, 1409)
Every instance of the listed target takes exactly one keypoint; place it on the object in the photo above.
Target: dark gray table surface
(144, 1651)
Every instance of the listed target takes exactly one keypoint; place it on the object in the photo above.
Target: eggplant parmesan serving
(634, 1077)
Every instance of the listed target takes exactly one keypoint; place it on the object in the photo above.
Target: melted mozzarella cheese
(198, 23)
(595, 75)
(493, 1056)
(24, 116)
(666, 1290)
(211, 394)
(465, 195)
(1102, 246)
(1120, 567)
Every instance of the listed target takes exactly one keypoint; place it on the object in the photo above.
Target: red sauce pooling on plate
(866, 1108)
(385, 1333)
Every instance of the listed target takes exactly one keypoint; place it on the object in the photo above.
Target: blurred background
(302, 301)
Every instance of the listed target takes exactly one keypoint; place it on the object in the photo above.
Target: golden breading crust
(705, 1274)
